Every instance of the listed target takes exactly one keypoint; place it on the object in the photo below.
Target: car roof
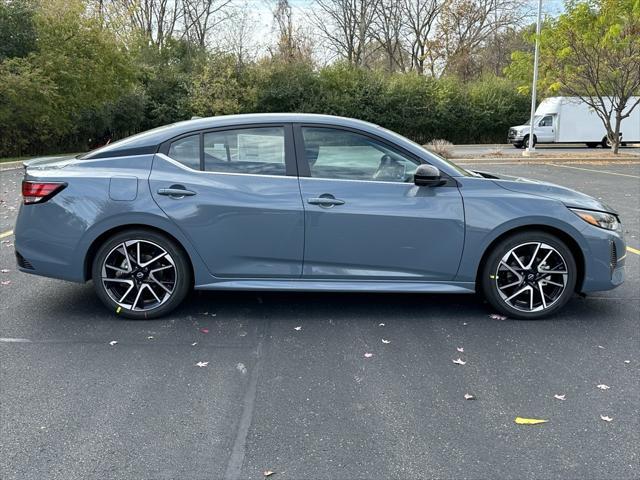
(145, 142)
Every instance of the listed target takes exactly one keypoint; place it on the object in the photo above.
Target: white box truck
(570, 120)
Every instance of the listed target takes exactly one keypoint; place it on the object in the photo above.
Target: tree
(420, 17)
(466, 25)
(292, 45)
(347, 27)
(593, 52)
(17, 29)
(201, 16)
(388, 32)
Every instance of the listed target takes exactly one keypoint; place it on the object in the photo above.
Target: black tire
(605, 143)
(525, 141)
(490, 275)
(178, 265)
(592, 144)
(518, 145)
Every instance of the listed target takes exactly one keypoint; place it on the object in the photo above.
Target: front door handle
(176, 191)
(325, 201)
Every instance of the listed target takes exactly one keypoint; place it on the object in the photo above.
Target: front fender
(492, 213)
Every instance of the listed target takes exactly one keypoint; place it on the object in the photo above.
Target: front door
(364, 217)
(545, 133)
(234, 193)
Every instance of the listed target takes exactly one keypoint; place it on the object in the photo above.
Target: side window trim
(291, 166)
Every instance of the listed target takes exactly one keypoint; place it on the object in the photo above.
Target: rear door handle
(326, 202)
(175, 192)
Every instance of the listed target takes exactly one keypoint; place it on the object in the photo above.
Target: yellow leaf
(529, 421)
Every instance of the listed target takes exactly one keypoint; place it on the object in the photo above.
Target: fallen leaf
(298, 328)
(204, 330)
(268, 473)
(202, 364)
(600, 346)
(194, 344)
(460, 349)
(465, 323)
(606, 418)
(386, 341)
(368, 355)
(150, 337)
(6, 282)
(560, 397)
(241, 368)
(627, 361)
(459, 361)
(602, 386)
(495, 316)
(381, 324)
(468, 396)
(113, 342)
(529, 421)
(5, 270)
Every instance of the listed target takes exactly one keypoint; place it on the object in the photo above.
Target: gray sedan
(306, 202)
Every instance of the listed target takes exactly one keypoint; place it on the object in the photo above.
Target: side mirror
(427, 176)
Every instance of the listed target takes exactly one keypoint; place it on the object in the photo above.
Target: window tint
(187, 151)
(333, 153)
(247, 150)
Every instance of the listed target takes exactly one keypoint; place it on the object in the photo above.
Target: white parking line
(6, 234)
(595, 171)
(14, 340)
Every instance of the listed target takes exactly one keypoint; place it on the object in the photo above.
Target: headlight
(607, 221)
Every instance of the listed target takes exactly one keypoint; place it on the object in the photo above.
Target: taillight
(36, 192)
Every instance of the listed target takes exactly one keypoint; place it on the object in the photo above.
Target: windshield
(536, 119)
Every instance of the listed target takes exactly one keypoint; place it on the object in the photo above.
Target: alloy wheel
(139, 275)
(531, 277)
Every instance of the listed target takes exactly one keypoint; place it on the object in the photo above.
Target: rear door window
(186, 150)
(258, 150)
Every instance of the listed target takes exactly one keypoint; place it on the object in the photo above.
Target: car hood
(571, 198)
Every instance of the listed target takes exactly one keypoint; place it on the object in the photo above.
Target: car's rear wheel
(141, 274)
(529, 275)
(592, 144)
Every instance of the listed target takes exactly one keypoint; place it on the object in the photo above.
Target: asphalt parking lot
(288, 387)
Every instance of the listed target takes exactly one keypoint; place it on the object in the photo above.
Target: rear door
(234, 193)
(365, 219)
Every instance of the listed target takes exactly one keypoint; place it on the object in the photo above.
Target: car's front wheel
(529, 275)
(141, 274)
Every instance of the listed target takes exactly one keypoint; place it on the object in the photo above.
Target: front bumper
(514, 137)
(605, 259)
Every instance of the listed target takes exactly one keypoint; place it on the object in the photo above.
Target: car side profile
(305, 202)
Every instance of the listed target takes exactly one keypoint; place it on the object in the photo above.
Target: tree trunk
(615, 141)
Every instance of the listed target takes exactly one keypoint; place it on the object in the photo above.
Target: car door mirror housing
(427, 176)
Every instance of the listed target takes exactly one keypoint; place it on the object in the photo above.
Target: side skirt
(340, 286)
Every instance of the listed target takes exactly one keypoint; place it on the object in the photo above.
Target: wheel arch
(571, 243)
(100, 239)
